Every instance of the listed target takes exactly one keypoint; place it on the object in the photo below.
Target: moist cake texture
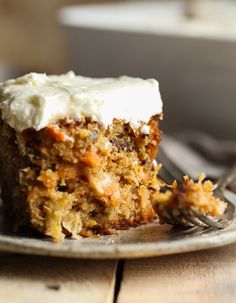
(77, 154)
(189, 194)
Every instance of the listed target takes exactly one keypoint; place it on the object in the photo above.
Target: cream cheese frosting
(37, 100)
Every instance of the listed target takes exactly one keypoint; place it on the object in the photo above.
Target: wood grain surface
(25, 279)
(204, 277)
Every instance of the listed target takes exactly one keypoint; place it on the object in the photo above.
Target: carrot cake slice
(77, 153)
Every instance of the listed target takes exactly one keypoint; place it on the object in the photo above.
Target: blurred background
(189, 46)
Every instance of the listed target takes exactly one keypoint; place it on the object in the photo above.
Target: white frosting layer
(37, 100)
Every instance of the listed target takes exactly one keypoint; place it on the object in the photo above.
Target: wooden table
(206, 276)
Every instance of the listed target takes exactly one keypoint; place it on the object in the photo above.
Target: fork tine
(165, 217)
(168, 213)
(209, 220)
(176, 218)
(189, 216)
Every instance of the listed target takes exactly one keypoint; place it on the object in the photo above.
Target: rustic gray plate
(144, 241)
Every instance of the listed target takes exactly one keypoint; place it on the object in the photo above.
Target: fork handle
(226, 179)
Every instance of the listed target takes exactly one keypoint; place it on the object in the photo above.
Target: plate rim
(44, 247)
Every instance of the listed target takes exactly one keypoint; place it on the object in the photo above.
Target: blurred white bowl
(194, 60)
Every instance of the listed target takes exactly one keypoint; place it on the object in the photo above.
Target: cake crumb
(188, 193)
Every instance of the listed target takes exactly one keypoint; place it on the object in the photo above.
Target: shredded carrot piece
(91, 158)
(56, 134)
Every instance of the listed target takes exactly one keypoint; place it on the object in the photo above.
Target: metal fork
(192, 217)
